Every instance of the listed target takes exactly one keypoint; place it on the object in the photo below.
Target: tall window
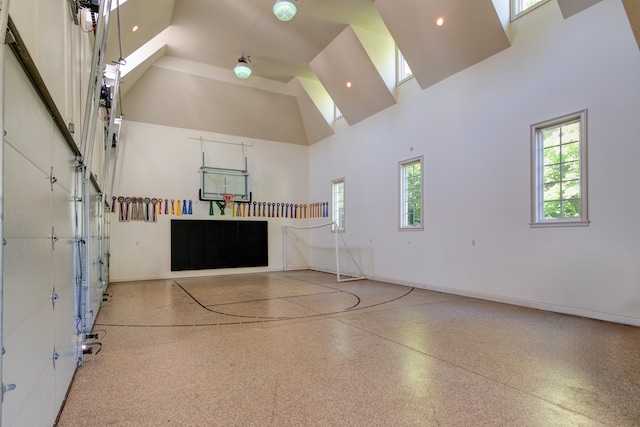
(520, 7)
(403, 70)
(411, 193)
(559, 171)
(337, 203)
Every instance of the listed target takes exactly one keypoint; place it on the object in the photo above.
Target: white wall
(163, 162)
(473, 131)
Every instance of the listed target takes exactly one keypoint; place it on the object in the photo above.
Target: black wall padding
(205, 244)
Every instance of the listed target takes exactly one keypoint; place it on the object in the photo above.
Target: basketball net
(228, 198)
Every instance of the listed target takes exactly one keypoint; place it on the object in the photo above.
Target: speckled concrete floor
(299, 349)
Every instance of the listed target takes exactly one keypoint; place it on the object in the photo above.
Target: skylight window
(520, 7)
(403, 71)
(337, 114)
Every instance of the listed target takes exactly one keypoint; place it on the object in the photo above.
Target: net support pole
(284, 248)
(335, 245)
(337, 240)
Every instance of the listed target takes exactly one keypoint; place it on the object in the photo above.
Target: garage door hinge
(54, 239)
(54, 298)
(6, 388)
(52, 179)
(55, 356)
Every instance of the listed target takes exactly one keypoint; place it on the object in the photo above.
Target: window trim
(334, 184)
(537, 198)
(401, 211)
(399, 60)
(512, 8)
(337, 114)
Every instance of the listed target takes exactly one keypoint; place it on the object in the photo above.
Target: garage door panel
(28, 359)
(27, 279)
(28, 125)
(27, 198)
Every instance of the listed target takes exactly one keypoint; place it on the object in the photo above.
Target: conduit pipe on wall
(95, 86)
(108, 190)
(84, 311)
(4, 18)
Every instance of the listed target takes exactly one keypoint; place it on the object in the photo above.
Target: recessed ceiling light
(440, 21)
(348, 84)
(135, 28)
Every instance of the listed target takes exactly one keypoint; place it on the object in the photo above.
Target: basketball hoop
(228, 198)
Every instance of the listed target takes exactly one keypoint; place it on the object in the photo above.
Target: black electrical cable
(122, 115)
(94, 335)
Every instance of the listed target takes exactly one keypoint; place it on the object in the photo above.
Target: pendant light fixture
(284, 10)
(242, 69)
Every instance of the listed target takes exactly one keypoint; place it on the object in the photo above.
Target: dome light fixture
(242, 69)
(284, 10)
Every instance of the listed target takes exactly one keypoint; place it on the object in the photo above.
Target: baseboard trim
(194, 273)
(556, 308)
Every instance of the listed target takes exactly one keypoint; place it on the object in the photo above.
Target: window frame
(337, 114)
(336, 218)
(515, 15)
(537, 174)
(402, 217)
(401, 67)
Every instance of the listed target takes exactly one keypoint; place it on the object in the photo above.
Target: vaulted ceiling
(177, 67)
